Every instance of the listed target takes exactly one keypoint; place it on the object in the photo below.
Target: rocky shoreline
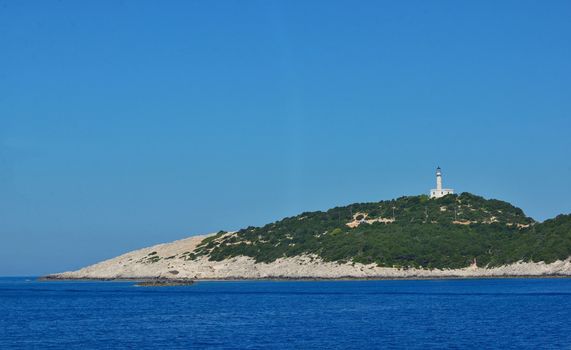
(175, 282)
(166, 262)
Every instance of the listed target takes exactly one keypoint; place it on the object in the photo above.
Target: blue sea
(453, 314)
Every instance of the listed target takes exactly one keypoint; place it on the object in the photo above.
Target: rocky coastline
(160, 263)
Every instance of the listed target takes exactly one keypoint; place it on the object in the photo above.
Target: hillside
(448, 232)
(361, 240)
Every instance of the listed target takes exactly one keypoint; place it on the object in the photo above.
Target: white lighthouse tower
(439, 191)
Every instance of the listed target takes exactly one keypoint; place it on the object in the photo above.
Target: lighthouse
(439, 191)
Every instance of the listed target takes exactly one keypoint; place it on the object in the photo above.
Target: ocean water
(454, 314)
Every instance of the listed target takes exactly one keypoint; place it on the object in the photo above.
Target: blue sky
(129, 123)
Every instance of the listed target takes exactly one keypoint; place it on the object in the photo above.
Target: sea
(402, 314)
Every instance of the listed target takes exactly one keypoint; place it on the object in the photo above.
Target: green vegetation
(416, 231)
(151, 258)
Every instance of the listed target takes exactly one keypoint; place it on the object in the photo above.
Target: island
(448, 236)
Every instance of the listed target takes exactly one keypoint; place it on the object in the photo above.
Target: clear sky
(129, 123)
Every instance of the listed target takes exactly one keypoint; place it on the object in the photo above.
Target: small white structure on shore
(439, 191)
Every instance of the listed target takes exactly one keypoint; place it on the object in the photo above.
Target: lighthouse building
(439, 191)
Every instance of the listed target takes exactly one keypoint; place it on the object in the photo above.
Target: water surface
(477, 314)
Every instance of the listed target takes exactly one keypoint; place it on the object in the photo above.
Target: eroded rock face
(170, 261)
